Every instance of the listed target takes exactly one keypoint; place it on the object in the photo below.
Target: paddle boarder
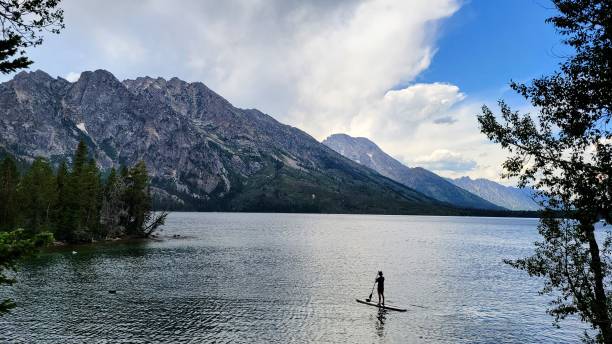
(380, 281)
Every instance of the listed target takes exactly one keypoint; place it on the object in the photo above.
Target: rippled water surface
(289, 278)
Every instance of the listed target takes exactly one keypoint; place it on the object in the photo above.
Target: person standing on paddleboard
(380, 281)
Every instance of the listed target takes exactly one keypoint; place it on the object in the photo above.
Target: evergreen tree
(124, 172)
(62, 218)
(141, 221)
(37, 193)
(75, 204)
(82, 197)
(92, 187)
(9, 179)
(113, 208)
(138, 198)
(111, 181)
(80, 159)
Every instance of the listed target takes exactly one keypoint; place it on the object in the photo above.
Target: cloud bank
(445, 160)
(323, 66)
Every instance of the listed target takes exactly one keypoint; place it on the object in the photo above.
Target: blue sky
(486, 43)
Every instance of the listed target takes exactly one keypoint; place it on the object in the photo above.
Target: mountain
(202, 152)
(367, 153)
(508, 197)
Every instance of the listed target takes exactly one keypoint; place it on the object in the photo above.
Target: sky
(409, 75)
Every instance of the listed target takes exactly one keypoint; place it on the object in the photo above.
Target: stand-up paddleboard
(381, 306)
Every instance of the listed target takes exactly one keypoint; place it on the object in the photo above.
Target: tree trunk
(600, 308)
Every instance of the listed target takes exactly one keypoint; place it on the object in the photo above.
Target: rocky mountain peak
(363, 151)
(34, 76)
(202, 152)
(98, 78)
(350, 139)
(37, 81)
(506, 196)
(97, 91)
(367, 153)
(465, 178)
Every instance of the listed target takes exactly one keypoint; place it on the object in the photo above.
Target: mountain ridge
(367, 153)
(202, 152)
(507, 196)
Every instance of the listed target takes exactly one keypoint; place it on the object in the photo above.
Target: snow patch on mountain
(82, 128)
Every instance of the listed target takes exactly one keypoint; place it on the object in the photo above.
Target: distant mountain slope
(509, 197)
(202, 152)
(367, 153)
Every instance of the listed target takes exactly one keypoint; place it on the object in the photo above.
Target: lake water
(290, 278)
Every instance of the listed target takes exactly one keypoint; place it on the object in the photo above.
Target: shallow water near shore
(235, 277)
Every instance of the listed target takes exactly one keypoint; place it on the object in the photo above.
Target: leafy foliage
(565, 152)
(22, 23)
(13, 246)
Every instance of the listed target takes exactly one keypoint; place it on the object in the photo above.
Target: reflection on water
(380, 324)
(289, 278)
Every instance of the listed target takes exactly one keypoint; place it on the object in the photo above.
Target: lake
(236, 277)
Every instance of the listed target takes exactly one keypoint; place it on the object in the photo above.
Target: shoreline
(59, 245)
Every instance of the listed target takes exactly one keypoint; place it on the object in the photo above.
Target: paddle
(372, 292)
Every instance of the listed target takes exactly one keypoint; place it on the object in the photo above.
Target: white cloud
(462, 138)
(121, 48)
(349, 66)
(323, 66)
(399, 113)
(72, 76)
(445, 160)
(314, 64)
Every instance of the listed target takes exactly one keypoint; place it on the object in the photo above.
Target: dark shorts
(381, 290)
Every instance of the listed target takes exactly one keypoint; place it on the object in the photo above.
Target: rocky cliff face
(506, 196)
(367, 153)
(202, 152)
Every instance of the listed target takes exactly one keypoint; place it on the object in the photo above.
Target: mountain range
(202, 152)
(506, 196)
(461, 192)
(367, 153)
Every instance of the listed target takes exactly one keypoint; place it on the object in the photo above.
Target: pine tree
(137, 196)
(80, 158)
(110, 180)
(82, 193)
(92, 186)
(9, 179)
(75, 200)
(37, 193)
(124, 171)
(113, 208)
(75, 205)
(61, 219)
(141, 220)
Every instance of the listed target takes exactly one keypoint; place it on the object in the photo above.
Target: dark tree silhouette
(23, 23)
(565, 152)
